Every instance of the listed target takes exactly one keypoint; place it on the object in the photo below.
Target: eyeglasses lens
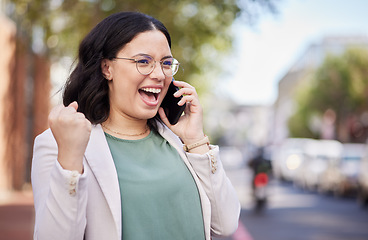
(146, 64)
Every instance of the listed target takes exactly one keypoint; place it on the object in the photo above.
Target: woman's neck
(126, 128)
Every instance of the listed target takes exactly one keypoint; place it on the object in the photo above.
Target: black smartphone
(170, 105)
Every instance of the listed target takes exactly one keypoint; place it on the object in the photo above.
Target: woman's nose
(157, 72)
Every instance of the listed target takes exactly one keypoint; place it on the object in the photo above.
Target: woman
(111, 166)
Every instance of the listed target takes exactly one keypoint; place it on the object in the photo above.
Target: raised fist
(71, 130)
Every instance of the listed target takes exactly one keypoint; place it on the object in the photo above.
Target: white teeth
(152, 90)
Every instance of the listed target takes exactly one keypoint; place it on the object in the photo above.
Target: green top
(159, 197)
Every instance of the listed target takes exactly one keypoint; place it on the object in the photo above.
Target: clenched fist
(71, 130)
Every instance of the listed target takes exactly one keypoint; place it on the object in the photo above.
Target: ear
(106, 69)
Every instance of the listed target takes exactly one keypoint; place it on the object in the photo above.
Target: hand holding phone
(170, 105)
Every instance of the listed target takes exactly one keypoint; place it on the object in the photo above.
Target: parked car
(309, 154)
(341, 174)
(363, 179)
(288, 157)
(320, 154)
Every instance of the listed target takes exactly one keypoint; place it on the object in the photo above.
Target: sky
(265, 52)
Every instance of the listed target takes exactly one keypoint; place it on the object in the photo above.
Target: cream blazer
(69, 205)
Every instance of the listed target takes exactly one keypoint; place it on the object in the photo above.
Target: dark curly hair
(86, 84)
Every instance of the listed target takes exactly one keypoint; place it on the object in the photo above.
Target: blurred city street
(295, 214)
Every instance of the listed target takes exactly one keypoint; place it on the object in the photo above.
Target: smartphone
(170, 105)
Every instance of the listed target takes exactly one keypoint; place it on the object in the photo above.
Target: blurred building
(244, 127)
(300, 71)
(24, 105)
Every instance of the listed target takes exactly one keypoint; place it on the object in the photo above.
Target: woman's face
(133, 95)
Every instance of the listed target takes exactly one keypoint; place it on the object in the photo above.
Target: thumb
(74, 105)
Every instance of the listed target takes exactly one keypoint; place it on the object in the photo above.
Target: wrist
(193, 138)
(72, 166)
(204, 141)
(71, 162)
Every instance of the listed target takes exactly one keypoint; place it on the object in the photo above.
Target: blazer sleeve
(225, 206)
(60, 196)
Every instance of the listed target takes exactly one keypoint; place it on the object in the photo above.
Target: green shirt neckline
(159, 196)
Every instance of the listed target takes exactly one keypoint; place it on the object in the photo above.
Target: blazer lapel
(99, 158)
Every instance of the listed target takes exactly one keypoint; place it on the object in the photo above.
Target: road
(294, 214)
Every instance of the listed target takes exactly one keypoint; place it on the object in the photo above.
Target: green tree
(339, 87)
(201, 29)
(300, 122)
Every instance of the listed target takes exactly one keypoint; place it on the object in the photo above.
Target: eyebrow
(145, 54)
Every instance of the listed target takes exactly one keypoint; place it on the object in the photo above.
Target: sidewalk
(16, 215)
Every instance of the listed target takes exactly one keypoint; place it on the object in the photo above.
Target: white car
(289, 157)
(341, 175)
(320, 154)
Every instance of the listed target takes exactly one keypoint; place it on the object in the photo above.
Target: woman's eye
(167, 63)
(143, 61)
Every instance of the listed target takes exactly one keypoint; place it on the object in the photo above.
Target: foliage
(201, 29)
(299, 123)
(340, 85)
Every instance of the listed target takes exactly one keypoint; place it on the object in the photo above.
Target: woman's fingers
(163, 116)
(71, 130)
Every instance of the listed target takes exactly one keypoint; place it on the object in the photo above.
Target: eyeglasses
(146, 64)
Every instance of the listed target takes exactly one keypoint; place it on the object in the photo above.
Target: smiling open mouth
(150, 94)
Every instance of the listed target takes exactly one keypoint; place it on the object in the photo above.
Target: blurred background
(284, 84)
